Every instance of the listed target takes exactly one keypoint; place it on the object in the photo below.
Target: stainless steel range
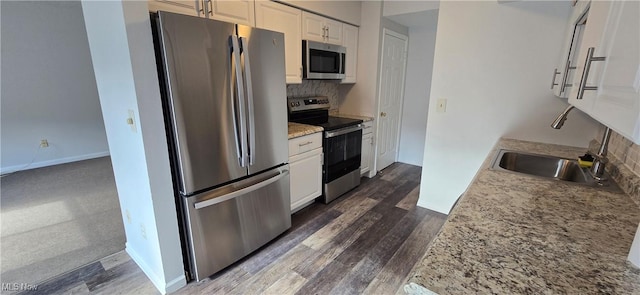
(342, 144)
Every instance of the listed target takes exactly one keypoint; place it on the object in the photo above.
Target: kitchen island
(513, 234)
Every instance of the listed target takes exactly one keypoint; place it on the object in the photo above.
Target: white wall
(359, 98)
(396, 7)
(422, 40)
(344, 10)
(48, 90)
(493, 62)
(119, 34)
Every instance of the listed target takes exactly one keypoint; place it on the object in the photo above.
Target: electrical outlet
(143, 231)
(131, 121)
(44, 143)
(442, 105)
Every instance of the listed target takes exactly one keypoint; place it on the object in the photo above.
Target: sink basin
(549, 167)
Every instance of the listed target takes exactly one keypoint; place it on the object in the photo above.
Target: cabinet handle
(202, 7)
(383, 114)
(564, 84)
(306, 143)
(585, 72)
(553, 81)
(210, 7)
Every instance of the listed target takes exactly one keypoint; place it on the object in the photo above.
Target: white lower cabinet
(305, 169)
(367, 149)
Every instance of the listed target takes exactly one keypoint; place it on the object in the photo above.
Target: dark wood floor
(367, 241)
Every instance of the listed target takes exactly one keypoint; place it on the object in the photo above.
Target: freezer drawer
(228, 223)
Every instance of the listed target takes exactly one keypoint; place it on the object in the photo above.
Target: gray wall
(48, 86)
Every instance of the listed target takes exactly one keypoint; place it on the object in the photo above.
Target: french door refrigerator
(224, 97)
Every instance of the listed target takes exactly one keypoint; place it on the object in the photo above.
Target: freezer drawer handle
(257, 186)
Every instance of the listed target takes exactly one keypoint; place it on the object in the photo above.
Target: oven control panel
(297, 104)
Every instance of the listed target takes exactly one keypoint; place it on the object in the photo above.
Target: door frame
(385, 32)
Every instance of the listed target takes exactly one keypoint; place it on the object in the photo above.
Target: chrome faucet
(597, 169)
(558, 122)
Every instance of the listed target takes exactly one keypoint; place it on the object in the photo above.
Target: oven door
(342, 152)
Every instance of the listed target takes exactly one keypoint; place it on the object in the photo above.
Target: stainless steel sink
(549, 167)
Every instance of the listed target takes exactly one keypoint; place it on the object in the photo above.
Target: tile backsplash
(328, 88)
(624, 150)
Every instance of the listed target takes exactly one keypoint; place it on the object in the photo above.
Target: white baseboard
(46, 163)
(158, 282)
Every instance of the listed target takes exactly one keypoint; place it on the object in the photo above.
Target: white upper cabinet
(288, 20)
(565, 73)
(350, 41)
(334, 31)
(608, 86)
(321, 29)
(233, 11)
(189, 7)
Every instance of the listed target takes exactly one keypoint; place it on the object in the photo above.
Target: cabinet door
(333, 33)
(188, 7)
(565, 73)
(233, 11)
(288, 20)
(367, 152)
(592, 37)
(313, 27)
(350, 42)
(306, 177)
(617, 100)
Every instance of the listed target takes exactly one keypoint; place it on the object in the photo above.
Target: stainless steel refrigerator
(224, 98)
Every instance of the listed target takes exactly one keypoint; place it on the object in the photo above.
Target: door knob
(383, 114)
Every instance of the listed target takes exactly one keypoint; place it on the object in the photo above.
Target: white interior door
(390, 94)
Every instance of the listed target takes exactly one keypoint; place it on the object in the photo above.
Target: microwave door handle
(250, 109)
(240, 100)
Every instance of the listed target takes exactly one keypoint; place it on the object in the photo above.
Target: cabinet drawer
(367, 127)
(305, 143)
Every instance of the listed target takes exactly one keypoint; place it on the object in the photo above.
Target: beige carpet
(55, 219)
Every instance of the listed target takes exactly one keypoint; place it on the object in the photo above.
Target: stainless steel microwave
(322, 61)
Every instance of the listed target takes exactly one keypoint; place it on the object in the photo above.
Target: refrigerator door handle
(240, 100)
(219, 199)
(232, 102)
(249, 92)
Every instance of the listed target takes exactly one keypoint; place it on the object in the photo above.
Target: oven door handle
(343, 131)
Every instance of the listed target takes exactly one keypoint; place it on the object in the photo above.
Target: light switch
(442, 105)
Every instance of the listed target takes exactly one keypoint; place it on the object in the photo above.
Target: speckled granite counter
(297, 129)
(515, 234)
(357, 117)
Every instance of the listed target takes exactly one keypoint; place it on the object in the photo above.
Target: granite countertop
(514, 234)
(297, 129)
(357, 117)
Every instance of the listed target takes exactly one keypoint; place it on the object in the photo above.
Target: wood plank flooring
(367, 242)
